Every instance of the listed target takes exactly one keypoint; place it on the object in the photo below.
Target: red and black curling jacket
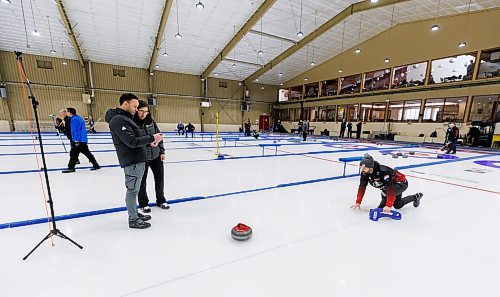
(383, 178)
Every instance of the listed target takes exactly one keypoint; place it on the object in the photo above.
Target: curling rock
(395, 156)
(412, 153)
(405, 156)
(400, 153)
(241, 232)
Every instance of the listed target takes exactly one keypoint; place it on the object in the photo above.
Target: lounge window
(409, 75)
(452, 69)
(352, 112)
(119, 72)
(341, 112)
(396, 109)
(378, 112)
(485, 108)
(377, 80)
(44, 64)
(411, 110)
(329, 87)
(489, 63)
(311, 90)
(350, 84)
(433, 111)
(296, 93)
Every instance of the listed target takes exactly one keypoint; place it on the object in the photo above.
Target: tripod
(54, 231)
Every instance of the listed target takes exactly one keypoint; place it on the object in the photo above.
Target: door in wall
(263, 122)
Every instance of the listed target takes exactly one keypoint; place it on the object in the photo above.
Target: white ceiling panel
(123, 32)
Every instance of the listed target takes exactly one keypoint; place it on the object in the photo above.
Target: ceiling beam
(159, 34)
(273, 36)
(263, 8)
(338, 18)
(70, 32)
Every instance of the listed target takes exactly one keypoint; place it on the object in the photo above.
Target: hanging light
(373, 1)
(386, 60)
(260, 52)
(157, 66)
(216, 74)
(340, 70)
(64, 56)
(435, 27)
(262, 88)
(151, 73)
(357, 50)
(178, 35)
(305, 78)
(52, 51)
(300, 34)
(35, 31)
(312, 63)
(462, 44)
(240, 83)
(280, 74)
(165, 54)
(257, 79)
(200, 5)
(281, 84)
(234, 65)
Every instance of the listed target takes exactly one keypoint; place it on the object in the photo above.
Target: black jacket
(190, 128)
(130, 144)
(149, 127)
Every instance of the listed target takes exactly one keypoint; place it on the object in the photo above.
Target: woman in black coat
(156, 156)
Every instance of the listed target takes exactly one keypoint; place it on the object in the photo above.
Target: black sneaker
(138, 224)
(416, 202)
(143, 217)
(68, 171)
(95, 168)
(77, 162)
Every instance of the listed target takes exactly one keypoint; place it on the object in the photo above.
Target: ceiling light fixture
(234, 65)
(342, 48)
(64, 56)
(151, 73)
(281, 84)
(280, 74)
(358, 50)
(260, 47)
(373, 1)
(462, 44)
(305, 78)
(200, 5)
(35, 31)
(52, 51)
(165, 54)
(387, 59)
(435, 27)
(257, 79)
(157, 66)
(178, 35)
(216, 74)
(300, 33)
(314, 41)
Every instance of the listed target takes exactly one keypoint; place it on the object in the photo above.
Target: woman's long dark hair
(148, 119)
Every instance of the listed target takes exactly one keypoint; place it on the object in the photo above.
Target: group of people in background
(348, 125)
(189, 128)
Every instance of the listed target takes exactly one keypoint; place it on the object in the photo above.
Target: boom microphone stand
(34, 103)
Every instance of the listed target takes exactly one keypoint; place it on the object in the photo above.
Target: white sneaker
(164, 206)
(145, 209)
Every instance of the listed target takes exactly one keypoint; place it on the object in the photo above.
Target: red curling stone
(241, 232)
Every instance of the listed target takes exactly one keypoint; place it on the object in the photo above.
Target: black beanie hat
(367, 161)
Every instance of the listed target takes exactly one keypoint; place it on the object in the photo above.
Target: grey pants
(133, 178)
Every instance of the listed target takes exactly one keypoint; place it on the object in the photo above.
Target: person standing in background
(358, 129)
(79, 142)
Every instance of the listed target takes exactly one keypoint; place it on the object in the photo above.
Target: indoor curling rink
(306, 239)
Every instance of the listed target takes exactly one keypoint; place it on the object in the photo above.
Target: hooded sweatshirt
(129, 143)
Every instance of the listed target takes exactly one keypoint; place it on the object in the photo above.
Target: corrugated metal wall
(178, 94)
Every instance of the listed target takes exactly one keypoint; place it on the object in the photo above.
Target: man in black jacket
(452, 135)
(131, 150)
